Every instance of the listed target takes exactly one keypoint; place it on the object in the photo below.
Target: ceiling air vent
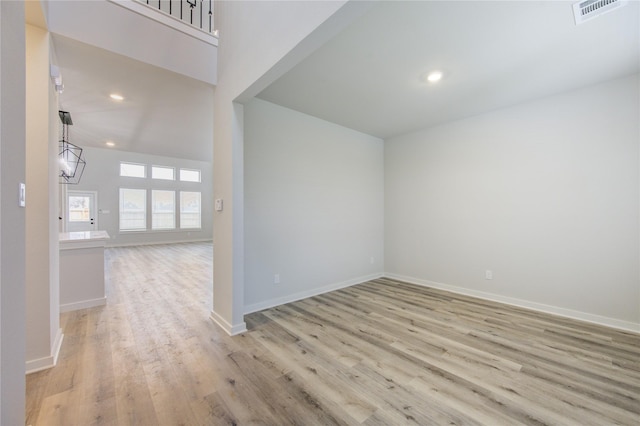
(586, 10)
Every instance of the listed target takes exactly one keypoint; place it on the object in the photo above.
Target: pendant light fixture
(70, 156)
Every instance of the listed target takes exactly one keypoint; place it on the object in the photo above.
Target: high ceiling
(163, 113)
(368, 78)
(493, 54)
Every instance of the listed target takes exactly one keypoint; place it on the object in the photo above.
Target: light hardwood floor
(379, 353)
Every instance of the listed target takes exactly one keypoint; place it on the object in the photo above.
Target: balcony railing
(198, 13)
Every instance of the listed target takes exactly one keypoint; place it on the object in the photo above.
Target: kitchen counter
(82, 270)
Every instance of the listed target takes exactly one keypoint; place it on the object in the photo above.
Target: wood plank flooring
(379, 353)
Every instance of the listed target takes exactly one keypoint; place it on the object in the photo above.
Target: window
(133, 209)
(189, 209)
(165, 207)
(79, 208)
(188, 175)
(163, 211)
(133, 170)
(159, 172)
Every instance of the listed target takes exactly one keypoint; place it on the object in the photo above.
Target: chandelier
(70, 156)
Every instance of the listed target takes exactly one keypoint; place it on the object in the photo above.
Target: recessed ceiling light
(434, 76)
(109, 143)
(116, 97)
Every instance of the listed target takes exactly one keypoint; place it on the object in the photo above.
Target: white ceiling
(163, 113)
(493, 53)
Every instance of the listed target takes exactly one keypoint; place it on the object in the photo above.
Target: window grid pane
(190, 210)
(165, 173)
(133, 170)
(163, 212)
(188, 175)
(79, 209)
(133, 209)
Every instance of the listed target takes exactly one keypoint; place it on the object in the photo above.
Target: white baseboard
(231, 330)
(111, 243)
(84, 304)
(540, 307)
(255, 307)
(40, 364)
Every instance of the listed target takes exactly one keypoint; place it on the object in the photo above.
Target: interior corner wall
(313, 205)
(41, 286)
(543, 194)
(102, 174)
(55, 331)
(12, 217)
(254, 36)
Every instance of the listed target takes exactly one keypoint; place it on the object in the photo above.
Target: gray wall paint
(12, 217)
(313, 206)
(264, 32)
(544, 194)
(42, 283)
(102, 174)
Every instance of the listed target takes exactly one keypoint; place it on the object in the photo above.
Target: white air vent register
(589, 9)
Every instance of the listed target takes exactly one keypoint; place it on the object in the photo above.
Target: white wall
(42, 282)
(254, 38)
(544, 194)
(102, 174)
(12, 217)
(313, 205)
(55, 331)
(256, 35)
(137, 36)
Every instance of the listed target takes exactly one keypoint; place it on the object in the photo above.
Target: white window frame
(144, 169)
(155, 227)
(163, 168)
(121, 211)
(191, 170)
(182, 212)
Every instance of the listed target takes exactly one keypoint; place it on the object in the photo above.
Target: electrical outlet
(372, 260)
(488, 274)
(276, 279)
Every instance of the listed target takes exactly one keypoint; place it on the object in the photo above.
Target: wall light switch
(22, 195)
(219, 204)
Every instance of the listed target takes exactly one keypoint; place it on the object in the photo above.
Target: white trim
(50, 361)
(57, 345)
(167, 20)
(540, 307)
(231, 330)
(255, 307)
(154, 243)
(92, 303)
(35, 365)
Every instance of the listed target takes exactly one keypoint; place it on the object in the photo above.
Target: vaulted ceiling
(492, 54)
(163, 113)
(370, 77)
